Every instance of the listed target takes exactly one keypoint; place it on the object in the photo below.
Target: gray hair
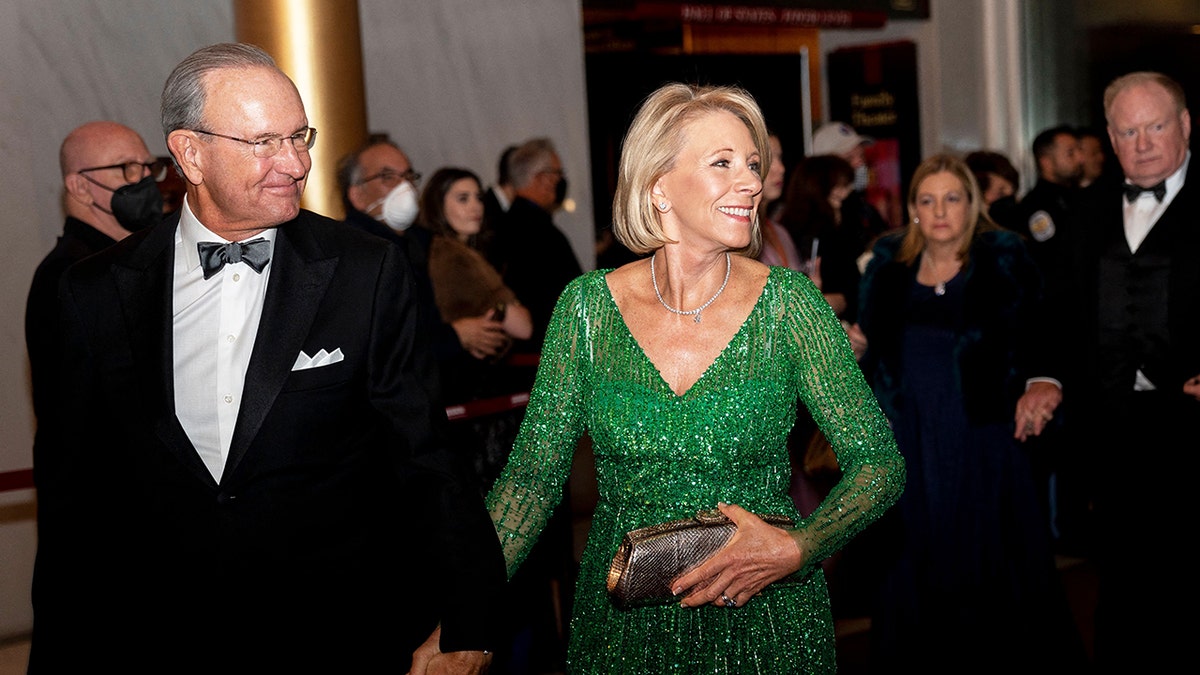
(184, 95)
(349, 167)
(530, 158)
(1141, 77)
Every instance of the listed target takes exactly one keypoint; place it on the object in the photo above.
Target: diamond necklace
(696, 312)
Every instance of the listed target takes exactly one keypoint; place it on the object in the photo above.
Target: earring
(916, 220)
(662, 206)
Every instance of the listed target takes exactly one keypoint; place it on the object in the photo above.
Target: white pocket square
(321, 358)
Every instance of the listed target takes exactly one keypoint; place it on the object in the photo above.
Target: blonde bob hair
(651, 146)
(977, 218)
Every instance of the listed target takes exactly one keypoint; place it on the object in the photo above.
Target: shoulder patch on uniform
(1041, 226)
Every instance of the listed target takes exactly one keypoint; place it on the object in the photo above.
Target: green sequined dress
(660, 457)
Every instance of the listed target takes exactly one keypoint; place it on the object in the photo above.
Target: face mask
(399, 206)
(138, 205)
(862, 177)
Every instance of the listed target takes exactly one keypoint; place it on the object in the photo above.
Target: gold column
(317, 43)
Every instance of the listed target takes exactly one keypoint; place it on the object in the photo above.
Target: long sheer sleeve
(841, 402)
(531, 485)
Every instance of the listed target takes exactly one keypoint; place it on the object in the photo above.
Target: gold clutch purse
(650, 558)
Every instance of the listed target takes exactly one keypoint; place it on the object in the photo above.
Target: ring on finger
(729, 602)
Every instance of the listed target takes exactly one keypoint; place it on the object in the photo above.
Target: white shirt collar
(191, 232)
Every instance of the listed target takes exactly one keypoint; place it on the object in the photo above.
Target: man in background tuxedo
(257, 476)
(1130, 302)
(530, 252)
(110, 188)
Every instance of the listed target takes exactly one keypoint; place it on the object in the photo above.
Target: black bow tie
(1132, 192)
(213, 255)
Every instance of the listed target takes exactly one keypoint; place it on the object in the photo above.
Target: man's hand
(429, 659)
(482, 336)
(1036, 408)
(1191, 387)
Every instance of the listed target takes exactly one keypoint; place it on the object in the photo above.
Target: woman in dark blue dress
(949, 310)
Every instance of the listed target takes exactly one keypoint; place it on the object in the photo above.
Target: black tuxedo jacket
(1098, 220)
(536, 261)
(343, 529)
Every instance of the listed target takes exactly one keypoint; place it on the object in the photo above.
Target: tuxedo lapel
(144, 283)
(300, 275)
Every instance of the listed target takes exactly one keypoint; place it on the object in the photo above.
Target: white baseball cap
(837, 138)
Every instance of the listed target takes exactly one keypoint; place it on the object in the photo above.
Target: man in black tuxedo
(257, 476)
(110, 189)
(530, 252)
(1130, 301)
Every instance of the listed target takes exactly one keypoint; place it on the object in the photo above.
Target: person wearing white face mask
(379, 193)
(398, 208)
(381, 183)
(860, 218)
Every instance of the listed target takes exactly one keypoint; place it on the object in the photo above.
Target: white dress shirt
(1142, 213)
(1140, 216)
(214, 324)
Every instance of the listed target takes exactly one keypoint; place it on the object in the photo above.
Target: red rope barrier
(21, 479)
(486, 406)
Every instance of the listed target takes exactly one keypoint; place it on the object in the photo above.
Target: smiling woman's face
(715, 186)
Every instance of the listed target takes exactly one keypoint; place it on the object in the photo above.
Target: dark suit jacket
(536, 261)
(1075, 288)
(78, 241)
(415, 243)
(340, 511)
(42, 338)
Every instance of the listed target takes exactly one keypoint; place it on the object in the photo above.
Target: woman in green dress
(686, 368)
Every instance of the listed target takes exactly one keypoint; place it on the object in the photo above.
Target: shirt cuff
(1051, 380)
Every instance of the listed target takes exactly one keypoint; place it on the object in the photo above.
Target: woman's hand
(481, 336)
(757, 555)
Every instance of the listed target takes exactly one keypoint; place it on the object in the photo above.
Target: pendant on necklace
(697, 319)
(939, 288)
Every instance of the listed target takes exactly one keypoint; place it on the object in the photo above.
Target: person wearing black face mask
(137, 205)
(109, 180)
(110, 190)
(533, 255)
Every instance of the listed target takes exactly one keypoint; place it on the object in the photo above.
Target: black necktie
(213, 255)
(1132, 192)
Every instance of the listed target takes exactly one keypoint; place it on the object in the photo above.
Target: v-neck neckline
(712, 364)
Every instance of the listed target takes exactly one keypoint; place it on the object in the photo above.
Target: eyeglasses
(302, 141)
(392, 178)
(133, 171)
